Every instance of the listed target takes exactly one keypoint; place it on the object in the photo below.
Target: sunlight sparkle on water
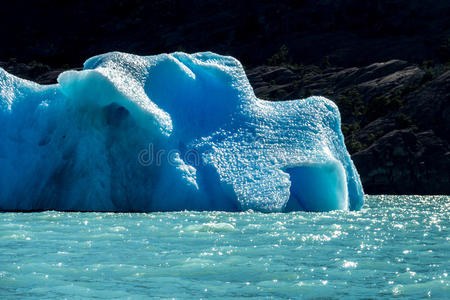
(395, 246)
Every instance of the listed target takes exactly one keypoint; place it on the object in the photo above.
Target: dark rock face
(343, 32)
(395, 119)
(386, 63)
(429, 106)
(404, 162)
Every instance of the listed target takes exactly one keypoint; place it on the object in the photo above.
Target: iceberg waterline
(168, 132)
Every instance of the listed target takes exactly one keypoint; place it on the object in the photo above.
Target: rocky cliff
(395, 116)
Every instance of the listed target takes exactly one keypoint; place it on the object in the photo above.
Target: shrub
(281, 57)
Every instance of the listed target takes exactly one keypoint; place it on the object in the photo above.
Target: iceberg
(164, 133)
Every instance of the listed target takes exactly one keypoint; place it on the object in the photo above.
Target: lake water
(395, 246)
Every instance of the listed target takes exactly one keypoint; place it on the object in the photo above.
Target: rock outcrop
(396, 118)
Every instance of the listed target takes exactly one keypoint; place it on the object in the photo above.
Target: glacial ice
(168, 132)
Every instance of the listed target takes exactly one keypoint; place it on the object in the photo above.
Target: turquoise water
(395, 246)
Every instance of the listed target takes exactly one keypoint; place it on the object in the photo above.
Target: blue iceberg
(168, 132)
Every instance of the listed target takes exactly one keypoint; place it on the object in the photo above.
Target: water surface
(395, 246)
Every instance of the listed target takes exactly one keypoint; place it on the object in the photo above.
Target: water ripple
(395, 246)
